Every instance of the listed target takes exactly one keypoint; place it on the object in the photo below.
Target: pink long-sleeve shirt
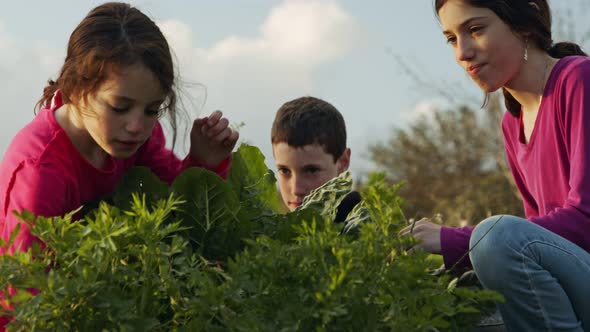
(552, 170)
(44, 173)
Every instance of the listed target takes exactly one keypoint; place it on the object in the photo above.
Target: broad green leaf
(251, 178)
(209, 210)
(139, 180)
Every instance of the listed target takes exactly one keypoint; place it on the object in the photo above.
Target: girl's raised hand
(212, 139)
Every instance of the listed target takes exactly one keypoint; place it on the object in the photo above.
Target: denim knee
(493, 244)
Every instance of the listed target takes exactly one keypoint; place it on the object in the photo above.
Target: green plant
(213, 255)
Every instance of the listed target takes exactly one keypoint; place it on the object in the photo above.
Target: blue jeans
(544, 278)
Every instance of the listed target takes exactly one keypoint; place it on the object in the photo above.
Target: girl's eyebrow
(465, 23)
(130, 100)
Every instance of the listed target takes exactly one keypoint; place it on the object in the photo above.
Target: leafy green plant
(212, 255)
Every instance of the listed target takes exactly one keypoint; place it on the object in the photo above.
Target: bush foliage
(213, 255)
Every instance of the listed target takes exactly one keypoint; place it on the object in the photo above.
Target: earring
(526, 50)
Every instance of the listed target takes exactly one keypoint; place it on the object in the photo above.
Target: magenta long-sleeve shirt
(44, 173)
(552, 170)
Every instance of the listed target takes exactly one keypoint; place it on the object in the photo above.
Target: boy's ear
(344, 161)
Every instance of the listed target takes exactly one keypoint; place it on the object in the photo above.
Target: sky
(379, 64)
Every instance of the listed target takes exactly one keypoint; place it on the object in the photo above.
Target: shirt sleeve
(454, 243)
(37, 188)
(165, 164)
(572, 220)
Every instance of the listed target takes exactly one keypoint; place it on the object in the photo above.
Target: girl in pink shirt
(100, 118)
(540, 264)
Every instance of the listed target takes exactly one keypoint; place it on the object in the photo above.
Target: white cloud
(298, 32)
(249, 78)
(296, 37)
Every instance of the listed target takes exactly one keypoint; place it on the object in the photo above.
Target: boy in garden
(309, 147)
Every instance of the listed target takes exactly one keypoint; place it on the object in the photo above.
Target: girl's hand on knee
(212, 139)
(427, 233)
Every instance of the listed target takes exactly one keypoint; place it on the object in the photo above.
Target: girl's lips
(474, 69)
(129, 144)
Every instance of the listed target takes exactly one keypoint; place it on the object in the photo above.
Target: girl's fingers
(232, 139)
(220, 137)
(200, 121)
(218, 128)
(414, 228)
(199, 125)
(405, 231)
(214, 118)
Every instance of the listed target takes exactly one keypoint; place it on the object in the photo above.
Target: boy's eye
(312, 170)
(451, 40)
(284, 171)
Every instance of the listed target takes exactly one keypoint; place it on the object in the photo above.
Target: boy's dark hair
(309, 120)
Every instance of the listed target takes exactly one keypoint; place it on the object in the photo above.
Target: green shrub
(213, 255)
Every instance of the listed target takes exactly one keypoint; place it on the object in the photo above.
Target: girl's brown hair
(111, 36)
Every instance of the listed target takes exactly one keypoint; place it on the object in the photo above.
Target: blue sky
(249, 57)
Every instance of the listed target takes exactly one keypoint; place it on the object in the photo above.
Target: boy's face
(303, 169)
